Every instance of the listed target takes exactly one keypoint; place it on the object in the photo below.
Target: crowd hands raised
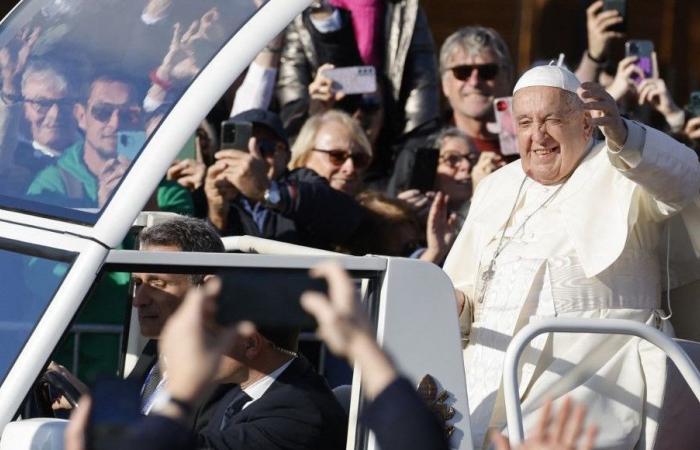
(381, 172)
(392, 145)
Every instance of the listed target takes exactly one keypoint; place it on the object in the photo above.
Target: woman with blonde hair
(333, 145)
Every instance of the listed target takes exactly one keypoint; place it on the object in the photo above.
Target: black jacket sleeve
(400, 420)
(325, 215)
(158, 433)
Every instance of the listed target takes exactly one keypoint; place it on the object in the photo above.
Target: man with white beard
(572, 230)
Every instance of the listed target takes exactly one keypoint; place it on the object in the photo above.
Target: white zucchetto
(552, 76)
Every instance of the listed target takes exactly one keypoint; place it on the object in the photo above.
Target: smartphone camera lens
(501, 106)
(634, 49)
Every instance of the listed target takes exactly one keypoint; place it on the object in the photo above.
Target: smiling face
(454, 169)
(158, 295)
(553, 132)
(48, 109)
(109, 109)
(473, 97)
(344, 175)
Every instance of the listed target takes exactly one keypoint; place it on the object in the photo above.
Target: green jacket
(70, 183)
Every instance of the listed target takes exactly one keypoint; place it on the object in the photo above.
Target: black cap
(265, 118)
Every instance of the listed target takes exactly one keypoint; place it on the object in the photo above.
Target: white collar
(258, 389)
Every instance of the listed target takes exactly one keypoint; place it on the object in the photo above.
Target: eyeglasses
(454, 159)
(127, 114)
(486, 72)
(42, 105)
(338, 157)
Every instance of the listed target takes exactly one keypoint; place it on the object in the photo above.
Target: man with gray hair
(47, 106)
(572, 230)
(476, 68)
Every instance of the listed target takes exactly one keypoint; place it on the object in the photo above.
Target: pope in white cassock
(573, 229)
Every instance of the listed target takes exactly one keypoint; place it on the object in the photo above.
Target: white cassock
(591, 252)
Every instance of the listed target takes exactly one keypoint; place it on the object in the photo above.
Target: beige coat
(611, 215)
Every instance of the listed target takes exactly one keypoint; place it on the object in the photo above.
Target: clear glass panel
(84, 83)
(31, 277)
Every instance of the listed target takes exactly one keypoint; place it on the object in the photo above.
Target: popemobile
(65, 227)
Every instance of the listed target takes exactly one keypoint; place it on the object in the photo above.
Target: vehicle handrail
(252, 244)
(597, 326)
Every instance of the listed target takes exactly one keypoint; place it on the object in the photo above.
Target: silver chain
(488, 275)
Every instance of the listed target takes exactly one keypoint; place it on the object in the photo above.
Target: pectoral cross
(489, 273)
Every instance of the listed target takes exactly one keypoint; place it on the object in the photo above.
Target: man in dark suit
(280, 401)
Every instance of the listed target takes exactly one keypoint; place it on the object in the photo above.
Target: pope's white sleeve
(668, 171)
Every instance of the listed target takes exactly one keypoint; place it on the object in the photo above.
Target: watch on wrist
(273, 196)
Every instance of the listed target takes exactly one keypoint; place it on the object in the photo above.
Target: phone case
(503, 108)
(354, 80)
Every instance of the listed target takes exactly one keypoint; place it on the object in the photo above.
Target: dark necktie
(151, 383)
(239, 399)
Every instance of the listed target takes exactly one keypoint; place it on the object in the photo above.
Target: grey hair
(46, 73)
(451, 132)
(476, 39)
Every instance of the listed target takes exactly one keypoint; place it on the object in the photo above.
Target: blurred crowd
(335, 137)
(382, 169)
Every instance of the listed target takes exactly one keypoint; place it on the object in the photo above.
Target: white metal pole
(598, 326)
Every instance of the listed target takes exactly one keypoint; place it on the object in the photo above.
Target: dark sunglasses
(127, 114)
(486, 72)
(42, 105)
(338, 158)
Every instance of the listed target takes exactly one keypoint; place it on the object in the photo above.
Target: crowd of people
(384, 172)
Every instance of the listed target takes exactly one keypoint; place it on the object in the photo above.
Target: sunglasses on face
(42, 105)
(128, 115)
(338, 158)
(455, 159)
(485, 72)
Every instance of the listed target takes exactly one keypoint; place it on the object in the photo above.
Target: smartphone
(267, 297)
(503, 109)
(621, 7)
(424, 169)
(235, 134)
(694, 104)
(354, 80)
(116, 405)
(643, 50)
(130, 143)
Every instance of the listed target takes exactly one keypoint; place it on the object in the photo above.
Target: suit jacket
(401, 420)
(203, 410)
(297, 412)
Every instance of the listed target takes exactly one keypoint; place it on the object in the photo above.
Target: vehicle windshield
(31, 274)
(84, 85)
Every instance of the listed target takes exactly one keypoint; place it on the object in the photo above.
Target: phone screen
(266, 297)
(116, 405)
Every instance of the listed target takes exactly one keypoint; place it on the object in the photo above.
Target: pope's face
(553, 132)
